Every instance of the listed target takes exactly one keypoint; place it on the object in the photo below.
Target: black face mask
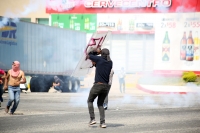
(105, 54)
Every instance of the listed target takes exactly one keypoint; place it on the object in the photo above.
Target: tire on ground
(40, 83)
(67, 85)
(75, 85)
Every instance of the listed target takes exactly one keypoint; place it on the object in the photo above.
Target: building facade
(145, 36)
(26, 10)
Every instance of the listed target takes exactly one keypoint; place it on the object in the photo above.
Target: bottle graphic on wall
(196, 46)
(119, 25)
(190, 48)
(55, 24)
(71, 24)
(166, 48)
(183, 47)
(87, 24)
(131, 25)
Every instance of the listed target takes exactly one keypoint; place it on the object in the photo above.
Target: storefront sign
(122, 6)
(80, 22)
(125, 23)
(126, 3)
(177, 42)
(106, 24)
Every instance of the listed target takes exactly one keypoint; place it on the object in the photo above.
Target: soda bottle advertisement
(165, 41)
(183, 47)
(190, 24)
(196, 46)
(177, 41)
(166, 48)
(80, 22)
(190, 48)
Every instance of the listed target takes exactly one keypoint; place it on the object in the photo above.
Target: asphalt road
(67, 113)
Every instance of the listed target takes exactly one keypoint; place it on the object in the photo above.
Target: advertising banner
(122, 6)
(177, 42)
(126, 23)
(90, 23)
(80, 22)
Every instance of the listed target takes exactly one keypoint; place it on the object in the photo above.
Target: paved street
(127, 113)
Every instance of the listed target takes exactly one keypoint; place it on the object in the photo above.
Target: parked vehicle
(43, 52)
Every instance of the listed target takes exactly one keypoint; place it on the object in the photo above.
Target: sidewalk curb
(158, 92)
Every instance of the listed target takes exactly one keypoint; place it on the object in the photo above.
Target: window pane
(25, 19)
(43, 21)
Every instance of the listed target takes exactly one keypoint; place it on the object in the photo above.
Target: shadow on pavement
(114, 125)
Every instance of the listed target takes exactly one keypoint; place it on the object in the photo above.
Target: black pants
(106, 99)
(100, 90)
(1, 92)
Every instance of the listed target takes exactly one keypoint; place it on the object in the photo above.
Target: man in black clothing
(58, 84)
(100, 88)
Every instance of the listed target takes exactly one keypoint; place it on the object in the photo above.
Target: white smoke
(31, 7)
(3, 22)
(156, 101)
(180, 9)
(81, 99)
(63, 5)
(152, 101)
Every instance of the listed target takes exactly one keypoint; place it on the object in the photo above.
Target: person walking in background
(2, 76)
(105, 104)
(13, 79)
(58, 84)
(121, 76)
(100, 88)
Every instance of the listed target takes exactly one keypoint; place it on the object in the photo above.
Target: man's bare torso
(14, 81)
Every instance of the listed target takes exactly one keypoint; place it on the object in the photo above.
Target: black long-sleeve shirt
(103, 68)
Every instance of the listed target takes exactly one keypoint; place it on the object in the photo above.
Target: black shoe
(103, 125)
(105, 108)
(92, 122)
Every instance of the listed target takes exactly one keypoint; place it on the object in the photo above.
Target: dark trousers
(100, 91)
(1, 92)
(106, 99)
(58, 88)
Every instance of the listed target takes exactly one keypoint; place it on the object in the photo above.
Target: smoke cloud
(118, 101)
(152, 101)
(31, 7)
(63, 5)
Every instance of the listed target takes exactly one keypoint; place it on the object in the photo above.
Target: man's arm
(23, 80)
(6, 80)
(93, 58)
(2, 78)
(56, 84)
(93, 64)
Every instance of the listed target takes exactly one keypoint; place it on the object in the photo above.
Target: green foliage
(189, 76)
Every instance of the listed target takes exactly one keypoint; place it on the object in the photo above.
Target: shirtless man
(13, 79)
